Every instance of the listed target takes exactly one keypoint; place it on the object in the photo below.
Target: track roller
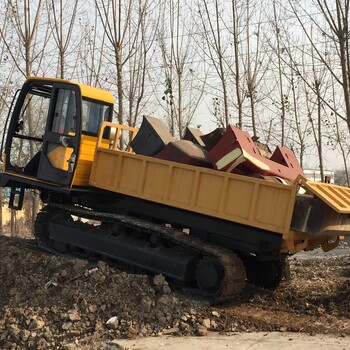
(210, 275)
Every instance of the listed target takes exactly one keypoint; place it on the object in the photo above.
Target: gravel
(56, 302)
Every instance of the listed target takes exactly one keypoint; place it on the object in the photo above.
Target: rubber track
(234, 278)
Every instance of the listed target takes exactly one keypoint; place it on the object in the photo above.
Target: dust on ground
(57, 302)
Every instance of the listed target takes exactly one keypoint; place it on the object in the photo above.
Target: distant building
(315, 175)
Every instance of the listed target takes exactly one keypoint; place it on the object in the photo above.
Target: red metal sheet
(286, 157)
(237, 153)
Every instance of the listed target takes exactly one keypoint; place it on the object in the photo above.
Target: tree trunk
(280, 82)
(119, 66)
(237, 69)
(13, 223)
(1, 203)
(319, 128)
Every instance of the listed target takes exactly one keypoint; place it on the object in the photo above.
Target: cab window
(65, 113)
(93, 114)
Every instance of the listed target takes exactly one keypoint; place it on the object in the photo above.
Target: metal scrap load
(231, 150)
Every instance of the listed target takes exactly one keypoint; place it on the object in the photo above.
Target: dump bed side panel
(235, 198)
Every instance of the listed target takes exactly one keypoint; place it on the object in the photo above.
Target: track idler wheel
(266, 274)
(210, 276)
(41, 227)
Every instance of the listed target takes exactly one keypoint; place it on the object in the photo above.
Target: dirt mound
(55, 302)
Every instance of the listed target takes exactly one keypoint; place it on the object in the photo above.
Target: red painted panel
(237, 153)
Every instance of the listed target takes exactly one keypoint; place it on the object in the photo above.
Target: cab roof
(86, 90)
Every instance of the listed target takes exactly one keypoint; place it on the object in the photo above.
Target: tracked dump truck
(205, 226)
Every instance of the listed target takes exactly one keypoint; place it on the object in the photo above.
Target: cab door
(60, 148)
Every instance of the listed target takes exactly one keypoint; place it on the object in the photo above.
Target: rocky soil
(55, 302)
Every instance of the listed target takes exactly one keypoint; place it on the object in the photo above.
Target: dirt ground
(57, 302)
(239, 341)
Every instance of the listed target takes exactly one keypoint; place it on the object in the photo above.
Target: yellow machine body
(242, 199)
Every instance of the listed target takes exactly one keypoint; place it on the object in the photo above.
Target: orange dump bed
(237, 198)
(242, 199)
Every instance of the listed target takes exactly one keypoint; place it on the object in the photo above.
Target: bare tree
(339, 136)
(62, 16)
(315, 91)
(182, 93)
(278, 48)
(212, 24)
(299, 124)
(90, 61)
(115, 19)
(29, 49)
(139, 64)
(236, 50)
(294, 96)
(299, 61)
(255, 63)
(7, 68)
(237, 74)
(332, 24)
(122, 23)
(30, 45)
